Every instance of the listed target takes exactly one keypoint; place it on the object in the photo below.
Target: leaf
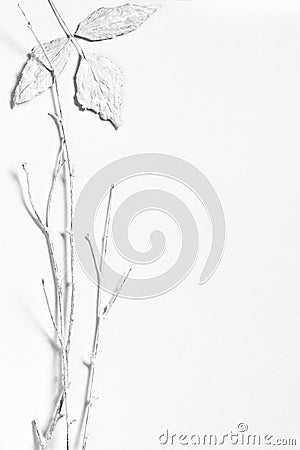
(36, 76)
(99, 84)
(107, 23)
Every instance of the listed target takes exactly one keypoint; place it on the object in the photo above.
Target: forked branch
(90, 398)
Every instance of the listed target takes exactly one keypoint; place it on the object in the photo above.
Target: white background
(216, 83)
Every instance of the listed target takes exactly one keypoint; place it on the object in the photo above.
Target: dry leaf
(99, 84)
(36, 76)
(107, 23)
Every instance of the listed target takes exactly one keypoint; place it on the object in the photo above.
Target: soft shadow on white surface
(215, 83)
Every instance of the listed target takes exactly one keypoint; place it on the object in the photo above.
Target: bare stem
(44, 441)
(55, 419)
(41, 438)
(115, 295)
(94, 354)
(50, 245)
(101, 315)
(30, 196)
(54, 266)
(99, 319)
(36, 38)
(58, 166)
(59, 336)
(106, 227)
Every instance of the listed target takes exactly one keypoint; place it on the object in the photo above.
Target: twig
(60, 338)
(100, 316)
(42, 226)
(99, 319)
(94, 354)
(57, 284)
(36, 38)
(46, 232)
(44, 441)
(50, 245)
(39, 434)
(58, 166)
(55, 419)
(115, 295)
(106, 230)
(93, 253)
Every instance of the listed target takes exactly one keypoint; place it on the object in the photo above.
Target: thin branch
(93, 253)
(72, 250)
(57, 169)
(58, 166)
(57, 284)
(41, 438)
(106, 231)
(92, 368)
(44, 441)
(102, 315)
(99, 319)
(50, 245)
(51, 316)
(115, 295)
(38, 41)
(42, 226)
(56, 417)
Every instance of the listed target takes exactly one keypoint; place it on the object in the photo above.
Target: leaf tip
(116, 124)
(115, 121)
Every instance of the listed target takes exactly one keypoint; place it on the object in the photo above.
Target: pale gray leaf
(99, 84)
(36, 76)
(107, 23)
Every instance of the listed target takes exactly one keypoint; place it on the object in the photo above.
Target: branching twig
(60, 338)
(101, 315)
(55, 419)
(50, 245)
(94, 354)
(39, 434)
(57, 283)
(42, 226)
(44, 441)
(115, 295)
(99, 318)
(90, 398)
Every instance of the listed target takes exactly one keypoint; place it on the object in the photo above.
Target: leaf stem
(66, 29)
